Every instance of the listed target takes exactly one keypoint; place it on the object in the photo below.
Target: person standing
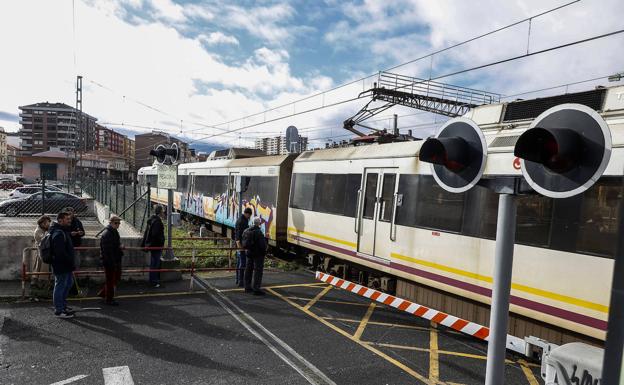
(242, 224)
(111, 253)
(36, 265)
(76, 229)
(62, 264)
(155, 237)
(256, 246)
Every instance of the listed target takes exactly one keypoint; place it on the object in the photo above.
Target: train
(377, 207)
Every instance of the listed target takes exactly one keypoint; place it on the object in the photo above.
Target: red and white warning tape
(514, 343)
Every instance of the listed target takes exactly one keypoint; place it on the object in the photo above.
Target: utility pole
(79, 127)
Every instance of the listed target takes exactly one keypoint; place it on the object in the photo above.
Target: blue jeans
(241, 263)
(62, 285)
(154, 276)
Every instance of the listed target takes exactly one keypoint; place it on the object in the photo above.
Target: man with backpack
(57, 249)
(155, 237)
(255, 245)
(242, 224)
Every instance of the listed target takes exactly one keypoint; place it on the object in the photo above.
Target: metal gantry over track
(425, 95)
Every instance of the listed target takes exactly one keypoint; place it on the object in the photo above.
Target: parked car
(53, 203)
(47, 186)
(8, 184)
(22, 192)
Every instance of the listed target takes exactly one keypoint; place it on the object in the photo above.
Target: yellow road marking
(139, 295)
(328, 301)
(296, 232)
(445, 352)
(378, 352)
(360, 330)
(528, 372)
(377, 323)
(434, 364)
(318, 296)
(316, 284)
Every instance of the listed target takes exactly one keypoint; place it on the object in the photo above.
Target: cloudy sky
(188, 66)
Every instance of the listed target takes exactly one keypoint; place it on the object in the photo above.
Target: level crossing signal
(457, 155)
(166, 155)
(565, 150)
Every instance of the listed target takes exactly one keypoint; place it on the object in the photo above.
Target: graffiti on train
(578, 377)
(226, 210)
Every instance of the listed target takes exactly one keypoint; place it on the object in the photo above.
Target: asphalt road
(301, 332)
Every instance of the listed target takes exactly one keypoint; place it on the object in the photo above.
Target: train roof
(260, 161)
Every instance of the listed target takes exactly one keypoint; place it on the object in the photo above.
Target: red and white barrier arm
(514, 343)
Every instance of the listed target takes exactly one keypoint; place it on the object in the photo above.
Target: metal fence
(125, 198)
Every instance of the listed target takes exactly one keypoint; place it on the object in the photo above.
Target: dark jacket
(259, 243)
(62, 249)
(154, 233)
(110, 247)
(241, 225)
(76, 225)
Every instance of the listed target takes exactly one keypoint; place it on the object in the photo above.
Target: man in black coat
(255, 259)
(63, 264)
(111, 253)
(155, 237)
(241, 261)
(76, 229)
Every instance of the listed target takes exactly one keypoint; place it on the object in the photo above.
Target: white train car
(377, 206)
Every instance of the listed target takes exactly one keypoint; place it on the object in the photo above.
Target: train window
(480, 212)
(598, 225)
(533, 220)
(353, 185)
(302, 192)
(152, 180)
(262, 189)
(437, 208)
(329, 195)
(183, 183)
(408, 187)
(387, 197)
(370, 196)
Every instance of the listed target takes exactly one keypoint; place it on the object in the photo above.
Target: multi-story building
(279, 146)
(55, 125)
(3, 151)
(146, 142)
(109, 140)
(128, 152)
(14, 164)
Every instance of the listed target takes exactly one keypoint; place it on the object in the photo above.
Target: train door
(232, 196)
(376, 211)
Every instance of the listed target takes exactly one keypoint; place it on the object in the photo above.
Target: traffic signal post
(564, 152)
(167, 171)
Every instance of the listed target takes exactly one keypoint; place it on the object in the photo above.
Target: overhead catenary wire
(431, 54)
(466, 70)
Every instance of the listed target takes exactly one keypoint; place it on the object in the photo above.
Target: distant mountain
(206, 147)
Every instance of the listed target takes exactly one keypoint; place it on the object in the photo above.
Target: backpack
(248, 238)
(45, 248)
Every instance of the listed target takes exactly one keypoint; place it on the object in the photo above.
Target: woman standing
(36, 264)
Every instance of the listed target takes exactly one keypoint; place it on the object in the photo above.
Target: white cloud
(218, 37)
(149, 62)
(167, 10)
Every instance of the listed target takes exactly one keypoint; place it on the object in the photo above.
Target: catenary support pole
(499, 315)
(169, 227)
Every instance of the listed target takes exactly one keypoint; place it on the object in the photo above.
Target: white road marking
(70, 380)
(306, 369)
(118, 375)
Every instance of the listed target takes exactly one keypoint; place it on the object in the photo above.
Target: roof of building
(51, 154)
(52, 106)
